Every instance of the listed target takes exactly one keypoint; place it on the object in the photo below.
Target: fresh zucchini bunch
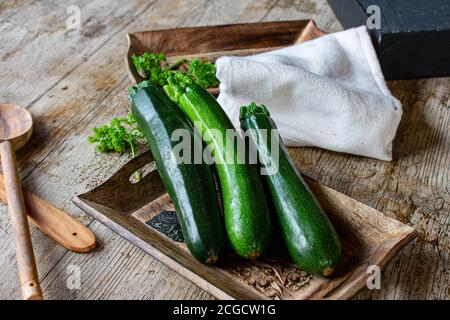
(171, 100)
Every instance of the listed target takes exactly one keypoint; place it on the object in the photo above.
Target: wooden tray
(368, 237)
(212, 42)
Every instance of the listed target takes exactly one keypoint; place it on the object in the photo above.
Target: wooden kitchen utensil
(16, 126)
(55, 223)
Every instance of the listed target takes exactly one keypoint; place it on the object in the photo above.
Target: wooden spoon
(16, 126)
(55, 223)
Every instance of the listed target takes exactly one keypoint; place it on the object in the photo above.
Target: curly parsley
(155, 68)
(203, 73)
(120, 135)
(123, 134)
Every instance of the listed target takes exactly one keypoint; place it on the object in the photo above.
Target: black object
(413, 40)
(167, 223)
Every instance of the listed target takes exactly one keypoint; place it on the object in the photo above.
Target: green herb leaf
(148, 61)
(154, 67)
(120, 135)
(151, 65)
(203, 73)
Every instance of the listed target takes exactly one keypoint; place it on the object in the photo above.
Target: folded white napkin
(328, 92)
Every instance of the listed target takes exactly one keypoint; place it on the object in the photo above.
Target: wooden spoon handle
(55, 223)
(26, 263)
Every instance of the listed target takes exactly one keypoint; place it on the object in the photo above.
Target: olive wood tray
(212, 42)
(141, 211)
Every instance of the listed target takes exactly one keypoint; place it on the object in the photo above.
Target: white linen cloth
(328, 92)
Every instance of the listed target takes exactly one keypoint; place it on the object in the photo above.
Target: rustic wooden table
(72, 80)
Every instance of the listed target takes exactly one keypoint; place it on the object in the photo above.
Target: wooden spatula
(56, 224)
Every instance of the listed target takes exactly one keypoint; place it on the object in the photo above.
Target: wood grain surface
(73, 80)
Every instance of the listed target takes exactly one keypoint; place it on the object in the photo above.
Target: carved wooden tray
(142, 213)
(212, 42)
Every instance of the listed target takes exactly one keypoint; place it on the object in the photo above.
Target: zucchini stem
(133, 151)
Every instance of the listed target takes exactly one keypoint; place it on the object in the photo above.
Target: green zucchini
(310, 237)
(246, 213)
(189, 185)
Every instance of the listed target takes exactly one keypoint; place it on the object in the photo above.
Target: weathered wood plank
(43, 51)
(9, 8)
(81, 83)
(317, 10)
